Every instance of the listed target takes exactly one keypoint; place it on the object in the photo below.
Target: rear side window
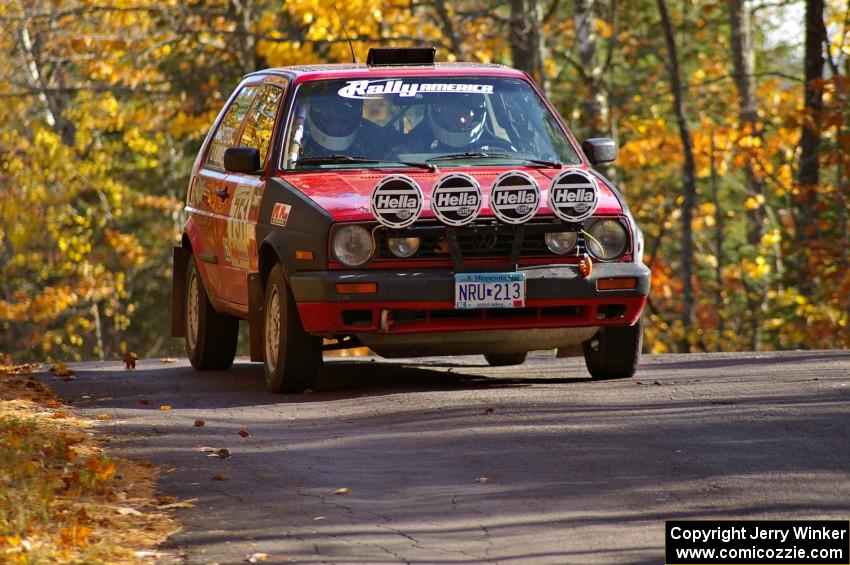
(260, 123)
(228, 130)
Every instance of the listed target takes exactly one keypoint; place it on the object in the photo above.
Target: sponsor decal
(396, 201)
(456, 199)
(365, 89)
(573, 195)
(515, 197)
(280, 214)
(239, 229)
(236, 253)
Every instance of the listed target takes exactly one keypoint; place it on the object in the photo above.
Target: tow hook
(585, 266)
(385, 320)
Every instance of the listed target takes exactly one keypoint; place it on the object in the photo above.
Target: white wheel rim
(192, 312)
(272, 329)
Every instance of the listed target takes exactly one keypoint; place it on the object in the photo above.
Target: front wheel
(211, 336)
(614, 352)
(292, 357)
(505, 359)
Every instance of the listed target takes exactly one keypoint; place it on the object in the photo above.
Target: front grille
(482, 241)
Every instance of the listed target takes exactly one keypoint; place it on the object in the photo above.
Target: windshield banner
(361, 89)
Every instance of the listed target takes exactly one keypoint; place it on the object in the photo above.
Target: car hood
(345, 194)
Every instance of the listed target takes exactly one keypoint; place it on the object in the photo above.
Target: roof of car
(356, 70)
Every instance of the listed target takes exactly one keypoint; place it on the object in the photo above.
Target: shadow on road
(244, 384)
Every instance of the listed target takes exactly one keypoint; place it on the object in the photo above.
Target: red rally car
(413, 207)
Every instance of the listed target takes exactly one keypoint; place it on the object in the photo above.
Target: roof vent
(401, 56)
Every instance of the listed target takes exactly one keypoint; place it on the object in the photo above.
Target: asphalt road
(448, 460)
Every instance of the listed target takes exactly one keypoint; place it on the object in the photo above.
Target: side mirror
(600, 150)
(242, 160)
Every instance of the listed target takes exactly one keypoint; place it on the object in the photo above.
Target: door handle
(223, 194)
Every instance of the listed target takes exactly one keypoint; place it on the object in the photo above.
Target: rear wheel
(292, 356)
(210, 336)
(505, 359)
(614, 352)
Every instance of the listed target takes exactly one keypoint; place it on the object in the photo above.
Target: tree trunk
(594, 105)
(688, 174)
(526, 41)
(244, 16)
(808, 174)
(743, 60)
(719, 227)
(448, 28)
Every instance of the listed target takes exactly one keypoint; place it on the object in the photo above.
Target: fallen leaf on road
(130, 361)
(257, 557)
(199, 423)
(319, 518)
(165, 499)
(144, 401)
(483, 479)
(61, 370)
(221, 478)
(103, 417)
(182, 504)
(344, 490)
(244, 433)
(489, 410)
(168, 360)
(126, 511)
(222, 453)
(165, 407)
(60, 414)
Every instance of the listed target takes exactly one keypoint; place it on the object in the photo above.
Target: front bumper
(416, 301)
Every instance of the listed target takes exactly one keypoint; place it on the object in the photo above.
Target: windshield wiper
(482, 155)
(331, 159)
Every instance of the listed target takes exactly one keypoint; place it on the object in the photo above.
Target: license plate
(489, 290)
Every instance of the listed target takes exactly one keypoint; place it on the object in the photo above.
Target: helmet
(333, 121)
(458, 119)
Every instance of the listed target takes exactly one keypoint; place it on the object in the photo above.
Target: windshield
(338, 124)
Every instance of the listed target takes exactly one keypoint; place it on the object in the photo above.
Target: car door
(245, 192)
(210, 195)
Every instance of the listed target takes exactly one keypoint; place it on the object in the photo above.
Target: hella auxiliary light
(403, 247)
(561, 243)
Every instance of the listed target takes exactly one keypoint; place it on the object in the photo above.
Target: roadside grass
(63, 499)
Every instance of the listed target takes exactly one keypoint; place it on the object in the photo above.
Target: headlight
(607, 239)
(403, 247)
(561, 242)
(352, 245)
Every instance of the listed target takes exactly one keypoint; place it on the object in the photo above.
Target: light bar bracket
(384, 56)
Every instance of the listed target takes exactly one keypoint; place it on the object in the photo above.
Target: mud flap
(256, 307)
(180, 263)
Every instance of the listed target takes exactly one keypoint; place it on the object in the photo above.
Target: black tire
(614, 353)
(211, 336)
(292, 357)
(505, 359)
